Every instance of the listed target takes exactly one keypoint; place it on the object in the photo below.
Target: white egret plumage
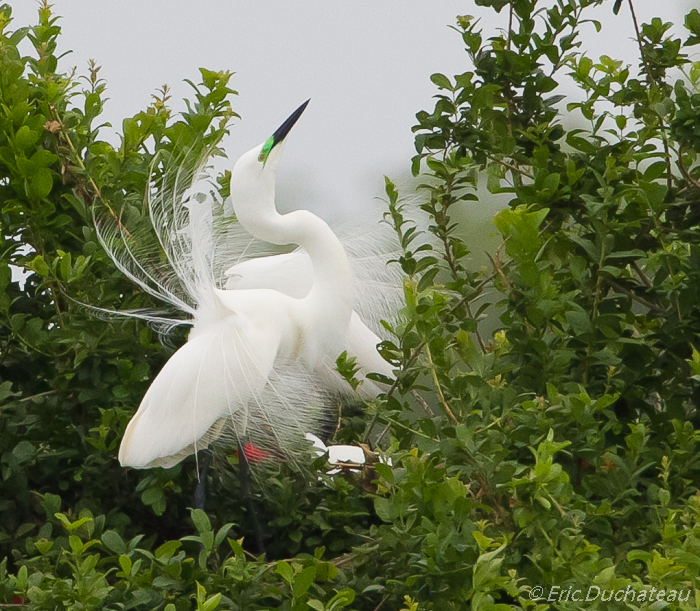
(260, 357)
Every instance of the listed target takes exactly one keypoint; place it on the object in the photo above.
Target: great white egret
(260, 358)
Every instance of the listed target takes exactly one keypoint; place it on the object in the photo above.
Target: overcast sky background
(365, 64)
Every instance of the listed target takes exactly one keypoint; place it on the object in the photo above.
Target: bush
(560, 453)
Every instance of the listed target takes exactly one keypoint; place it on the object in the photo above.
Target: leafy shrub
(559, 453)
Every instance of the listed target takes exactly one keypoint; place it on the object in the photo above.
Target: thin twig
(385, 430)
(343, 560)
(510, 26)
(381, 604)
(684, 171)
(423, 403)
(55, 303)
(79, 162)
(338, 421)
(510, 166)
(637, 298)
(650, 77)
(41, 394)
(496, 262)
(596, 302)
(438, 387)
(468, 308)
(641, 274)
(252, 556)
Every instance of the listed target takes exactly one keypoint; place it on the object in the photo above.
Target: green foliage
(70, 381)
(88, 567)
(568, 438)
(559, 453)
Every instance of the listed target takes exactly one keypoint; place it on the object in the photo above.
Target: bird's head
(274, 142)
(253, 175)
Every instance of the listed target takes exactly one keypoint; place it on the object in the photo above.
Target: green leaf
(638, 554)
(201, 521)
(167, 550)
(44, 546)
(579, 321)
(692, 23)
(25, 137)
(285, 570)
(114, 542)
(383, 509)
(24, 529)
(23, 451)
(125, 564)
(51, 504)
(441, 81)
(343, 598)
(303, 581)
(152, 496)
(76, 544)
(41, 183)
(38, 265)
(221, 534)
(211, 603)
(43, 158)
(427, 279)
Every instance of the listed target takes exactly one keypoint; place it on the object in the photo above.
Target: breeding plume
(259, 363)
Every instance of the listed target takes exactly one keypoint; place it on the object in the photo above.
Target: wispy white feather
(233, 379)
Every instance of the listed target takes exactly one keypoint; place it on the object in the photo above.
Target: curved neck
(332, 281)
(331, 297)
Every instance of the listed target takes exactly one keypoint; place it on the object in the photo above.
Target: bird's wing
(225, 384)
(378, 292)
(290, 273)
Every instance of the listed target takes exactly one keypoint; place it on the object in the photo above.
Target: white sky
(365, 65)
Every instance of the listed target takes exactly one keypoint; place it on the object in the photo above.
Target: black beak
(284, 129)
